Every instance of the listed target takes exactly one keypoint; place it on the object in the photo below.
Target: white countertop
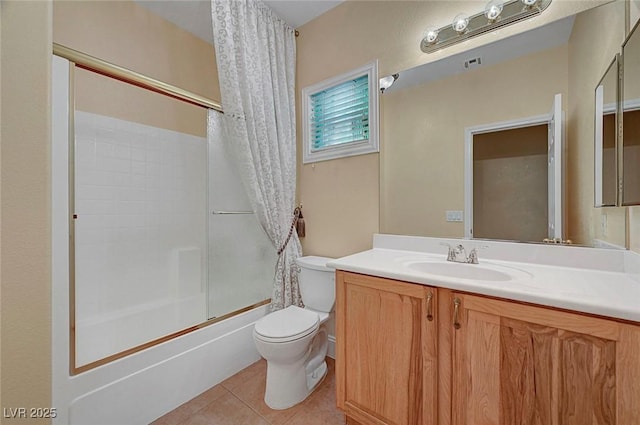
(607, 291)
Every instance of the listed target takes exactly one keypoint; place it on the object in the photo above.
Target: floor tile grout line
(195, 412)
(250, 407)
(255, 409)
(225, 386)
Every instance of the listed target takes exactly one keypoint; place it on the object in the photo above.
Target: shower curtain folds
(256, 53)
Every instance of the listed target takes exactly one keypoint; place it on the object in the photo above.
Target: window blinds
(340, 114)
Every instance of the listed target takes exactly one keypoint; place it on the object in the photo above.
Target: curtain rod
(108, 69)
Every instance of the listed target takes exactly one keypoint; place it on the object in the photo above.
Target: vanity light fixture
(493, 9)
(497, 13)
(386, 82)
(460, 23)
(430, 34)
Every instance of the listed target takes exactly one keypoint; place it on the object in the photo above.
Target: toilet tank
(317, 283)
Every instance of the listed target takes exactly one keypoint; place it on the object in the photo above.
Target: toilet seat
(287, 325)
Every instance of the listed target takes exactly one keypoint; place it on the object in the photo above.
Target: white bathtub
(146, 385)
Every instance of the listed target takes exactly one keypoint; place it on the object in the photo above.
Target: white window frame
(348, 149)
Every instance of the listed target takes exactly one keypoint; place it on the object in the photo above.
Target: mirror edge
(620, 122)
(614, 65)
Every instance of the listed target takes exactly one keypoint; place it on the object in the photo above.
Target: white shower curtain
(256, 55)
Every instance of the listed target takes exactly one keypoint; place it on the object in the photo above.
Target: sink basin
(484, 272)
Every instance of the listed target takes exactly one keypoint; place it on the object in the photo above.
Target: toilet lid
(288, 324)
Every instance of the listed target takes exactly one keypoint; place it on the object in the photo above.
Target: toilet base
(316, 376)
(294, 368)
(297, 387)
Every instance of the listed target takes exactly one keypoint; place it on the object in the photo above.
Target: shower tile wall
(141, 201)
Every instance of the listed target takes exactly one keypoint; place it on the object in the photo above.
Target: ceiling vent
(472, 63)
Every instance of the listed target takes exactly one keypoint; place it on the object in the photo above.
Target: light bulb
(386, 82)
(460, 23)
(493, 9)
(529, 3)
(430, 35)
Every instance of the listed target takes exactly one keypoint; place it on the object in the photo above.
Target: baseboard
(331, 350)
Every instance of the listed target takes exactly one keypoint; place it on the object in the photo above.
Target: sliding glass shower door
(139, 217)
(241, 257)
(162, 235)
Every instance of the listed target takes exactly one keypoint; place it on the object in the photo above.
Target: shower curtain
(256, 55)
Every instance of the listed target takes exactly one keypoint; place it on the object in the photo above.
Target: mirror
(427, 113)
(631, 119)
(606, 120)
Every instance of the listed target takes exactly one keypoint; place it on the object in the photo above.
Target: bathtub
(141, 387)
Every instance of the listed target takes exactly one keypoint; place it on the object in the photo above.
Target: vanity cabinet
(386, 349)
(521, 364)
(414, 354)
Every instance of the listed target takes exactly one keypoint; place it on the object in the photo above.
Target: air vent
(473, 63)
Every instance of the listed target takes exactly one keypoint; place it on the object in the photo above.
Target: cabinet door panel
(485, 334)
(588, 377)
(383, 352)
(530, 366)
(514, 372)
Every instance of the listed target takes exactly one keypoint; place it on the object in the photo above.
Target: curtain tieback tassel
(297, 214)
(300, 224)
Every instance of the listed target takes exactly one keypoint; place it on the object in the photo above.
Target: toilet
(294, 341)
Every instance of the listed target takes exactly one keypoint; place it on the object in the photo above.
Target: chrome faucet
(458, 254)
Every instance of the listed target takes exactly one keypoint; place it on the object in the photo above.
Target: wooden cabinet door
(516, 364)
(386, 350)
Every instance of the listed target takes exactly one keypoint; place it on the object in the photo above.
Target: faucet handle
(473, 254)
(451, 254)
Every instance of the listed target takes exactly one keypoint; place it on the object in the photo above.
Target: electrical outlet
(454, 216)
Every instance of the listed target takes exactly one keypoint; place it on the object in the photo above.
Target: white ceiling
(195, 15)
(298, 12)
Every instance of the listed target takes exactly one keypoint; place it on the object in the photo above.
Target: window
(340, 116)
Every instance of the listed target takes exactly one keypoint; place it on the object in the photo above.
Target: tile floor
(240, 401)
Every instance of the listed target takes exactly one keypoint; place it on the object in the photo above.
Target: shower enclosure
(241, 256)
(162, 236)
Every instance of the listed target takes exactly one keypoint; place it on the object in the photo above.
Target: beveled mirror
(427, 112)
(631, 119)
(606, 129)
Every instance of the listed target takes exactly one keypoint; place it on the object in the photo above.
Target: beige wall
(25, 275)
(123, 33)
(590, 54)
(614, 230)
(341, 197)
(105, 96)
(161, 50)
(424, 135)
